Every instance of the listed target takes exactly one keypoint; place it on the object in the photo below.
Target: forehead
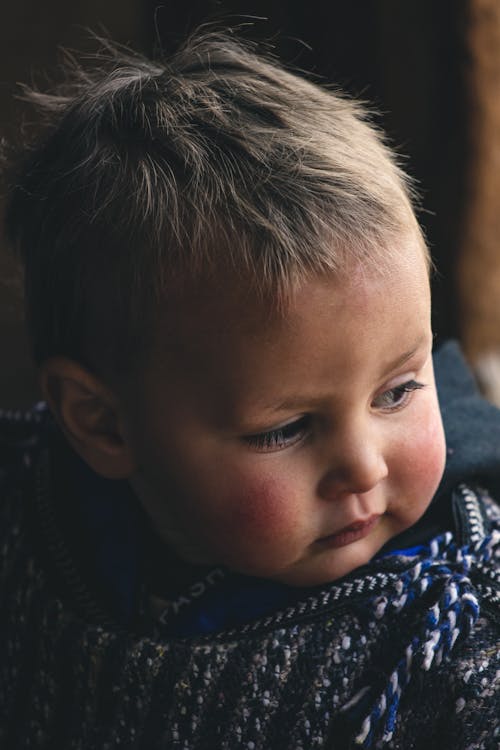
(229, 326)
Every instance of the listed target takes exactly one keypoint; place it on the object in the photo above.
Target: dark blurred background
(416, 61)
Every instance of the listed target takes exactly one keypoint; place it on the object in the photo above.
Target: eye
(280, 437)
(397, 397)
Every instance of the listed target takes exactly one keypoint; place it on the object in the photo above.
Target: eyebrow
(294, 402)
(400, 361)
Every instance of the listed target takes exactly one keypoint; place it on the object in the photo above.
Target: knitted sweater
(399, 654)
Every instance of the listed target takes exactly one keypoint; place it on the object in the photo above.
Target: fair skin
(289, 447)
(294, 447)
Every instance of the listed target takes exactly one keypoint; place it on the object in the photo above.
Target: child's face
(294, 448)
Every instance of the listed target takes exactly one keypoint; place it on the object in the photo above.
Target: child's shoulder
(20, 433)
(22, 437)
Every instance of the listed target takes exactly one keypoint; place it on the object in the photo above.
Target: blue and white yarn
(444, 567)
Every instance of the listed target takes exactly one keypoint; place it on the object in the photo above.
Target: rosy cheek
(262, 509)
(432, 448)
(425, 454)
(262, 506)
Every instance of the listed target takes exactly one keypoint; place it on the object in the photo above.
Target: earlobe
(89, 414)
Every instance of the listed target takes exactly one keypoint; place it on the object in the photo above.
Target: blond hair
(153, 174)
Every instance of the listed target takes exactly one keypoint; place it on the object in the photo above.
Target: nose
(355, 464)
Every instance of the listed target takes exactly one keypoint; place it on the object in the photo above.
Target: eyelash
(403, 393)
(293, 432)
(279, 438)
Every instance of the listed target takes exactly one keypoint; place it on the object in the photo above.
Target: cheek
(262, 507)
(431, 451)
(422, 460)
(259, 520)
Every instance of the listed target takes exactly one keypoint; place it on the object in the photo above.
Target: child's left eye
(396, 397)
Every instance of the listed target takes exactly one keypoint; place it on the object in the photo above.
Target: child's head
(156, 178)
(227, 293)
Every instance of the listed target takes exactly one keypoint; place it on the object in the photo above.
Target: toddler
(230, 527)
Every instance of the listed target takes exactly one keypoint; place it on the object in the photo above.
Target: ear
(89, 414)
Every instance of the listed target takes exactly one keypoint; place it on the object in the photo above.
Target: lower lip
(350, 534)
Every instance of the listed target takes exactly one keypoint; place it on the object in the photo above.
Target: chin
(331, 565)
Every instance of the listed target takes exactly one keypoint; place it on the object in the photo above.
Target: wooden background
(432, 69)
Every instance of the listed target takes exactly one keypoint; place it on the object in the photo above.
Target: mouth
(352, 533)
